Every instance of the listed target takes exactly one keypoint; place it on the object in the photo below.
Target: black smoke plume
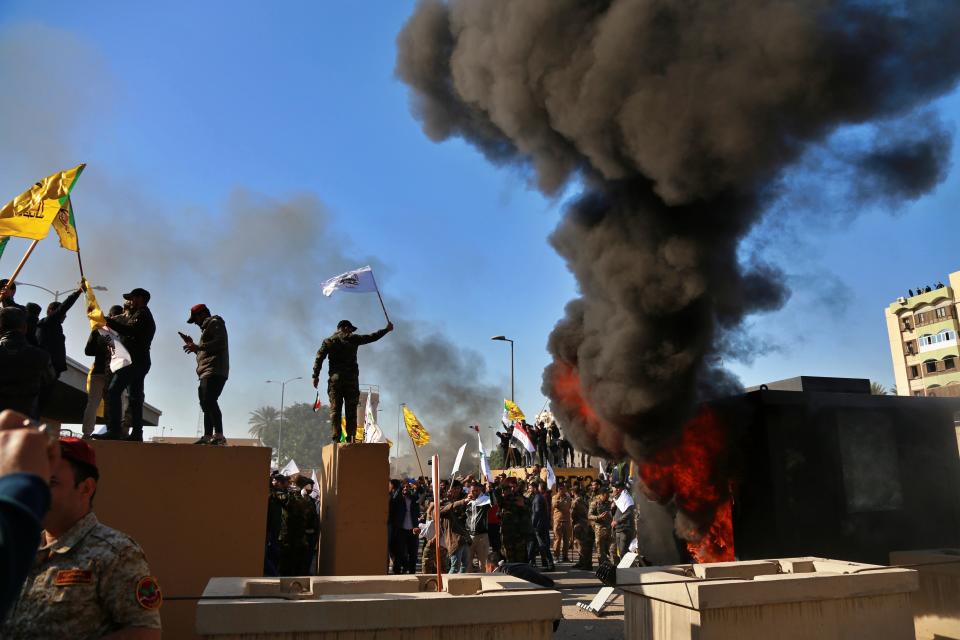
(680, 119)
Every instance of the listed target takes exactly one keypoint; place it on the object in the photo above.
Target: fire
(689, 472)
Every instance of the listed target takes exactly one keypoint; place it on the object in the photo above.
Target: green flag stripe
(3, 244)
(64, 199)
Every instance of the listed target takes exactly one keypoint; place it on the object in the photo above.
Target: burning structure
(682, 122)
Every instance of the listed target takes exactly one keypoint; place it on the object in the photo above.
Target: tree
(878, 389)
(305, 432)
(261, 420)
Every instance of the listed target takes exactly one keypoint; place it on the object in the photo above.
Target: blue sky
(178, 106)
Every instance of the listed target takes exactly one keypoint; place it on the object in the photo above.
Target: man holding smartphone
(213, 367)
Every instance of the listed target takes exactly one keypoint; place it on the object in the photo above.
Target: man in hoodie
(24, 369)
(213, 367)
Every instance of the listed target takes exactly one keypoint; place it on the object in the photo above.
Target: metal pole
(511, 372)
(283, 387)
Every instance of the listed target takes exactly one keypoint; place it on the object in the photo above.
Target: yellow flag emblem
(417, 433)
(30, 214)
(512, 411)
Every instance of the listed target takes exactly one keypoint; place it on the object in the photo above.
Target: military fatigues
(599, 516)
(516, 528)
(297, 535)
(582, 533)
(562, 526)
(91, 582)
(343, 385)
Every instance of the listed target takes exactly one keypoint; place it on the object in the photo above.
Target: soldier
(343, 384)
(582, 532)
(599, 516)
(88, 580)
(624, 529)
(298, 531)
(516, 527)
(276, 515)
(562, 526)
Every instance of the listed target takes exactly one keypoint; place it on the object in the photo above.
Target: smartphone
(187, 339)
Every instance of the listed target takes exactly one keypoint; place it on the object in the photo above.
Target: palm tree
(261, 420)
(878, 389)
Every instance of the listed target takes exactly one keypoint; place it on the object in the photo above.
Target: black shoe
(219, 440)
(134, 437)
(109, 435)
(204, 440)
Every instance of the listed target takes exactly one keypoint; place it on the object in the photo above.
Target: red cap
(78, 450)
(195, 309)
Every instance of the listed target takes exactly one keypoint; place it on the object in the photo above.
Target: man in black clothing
(50, 336)
(403, 518)
(136, 331)
(33, 319)
(624, 530)
(540, 515)
(7, 293)
(540, 438)
(213, 367)
(24, 369)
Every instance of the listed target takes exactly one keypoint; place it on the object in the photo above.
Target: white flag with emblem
(371, 432)
(551, 477)
(290, 469)
(484, 461)
(356, 281)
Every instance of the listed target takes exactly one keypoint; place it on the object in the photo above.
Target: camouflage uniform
(343, 384)
(601, 527)
(428, 560)
(91, 582)
(516, 528)
(296, 536)
(562, 527)
(582, 532)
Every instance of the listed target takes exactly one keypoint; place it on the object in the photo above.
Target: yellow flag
(30, 214)
(66, 227)
(417, 433)
(512, 411)
(94, 313)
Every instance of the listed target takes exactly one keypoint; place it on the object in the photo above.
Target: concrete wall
(197, 511)
(354, 491)
(936, 606)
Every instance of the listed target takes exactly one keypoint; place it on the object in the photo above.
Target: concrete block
(354, 484)
(936, 605)
(197, 511)
(471, 607)
(787, 599)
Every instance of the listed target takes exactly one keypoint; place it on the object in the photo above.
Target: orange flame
(688, 472)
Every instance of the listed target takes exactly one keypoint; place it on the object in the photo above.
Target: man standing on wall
(213, 367)
(343, 383)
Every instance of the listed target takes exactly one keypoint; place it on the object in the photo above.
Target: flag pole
(23, 261)
(436, 519)
(379, 297)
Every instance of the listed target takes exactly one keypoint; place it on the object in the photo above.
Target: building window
(914, 371)
(941, 312)
(925, 339)
(930, 366)
(919, 318)
(949, 362)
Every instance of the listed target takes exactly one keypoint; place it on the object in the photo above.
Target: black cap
(619, 485)
(345, 324)
(137, 292)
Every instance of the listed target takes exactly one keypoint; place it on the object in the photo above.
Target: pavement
(577, 623)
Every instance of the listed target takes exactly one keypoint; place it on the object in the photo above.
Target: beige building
(922, 329)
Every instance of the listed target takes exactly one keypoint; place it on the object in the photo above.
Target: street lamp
(56, 294)
(506, 339)
(283, 388)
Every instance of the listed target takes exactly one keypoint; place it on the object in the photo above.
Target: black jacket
(541, 513)
(99, 349)
(398, 509)
(24, 371)
(341, 349)
(50, 333)
(136, 333)
(477, 518)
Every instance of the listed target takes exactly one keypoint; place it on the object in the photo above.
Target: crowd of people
(508, 520)
(33, 357)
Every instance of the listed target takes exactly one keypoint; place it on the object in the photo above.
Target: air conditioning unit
(902, 300)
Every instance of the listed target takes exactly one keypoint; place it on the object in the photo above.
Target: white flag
(482, 500)
(119, 356)
(603, 474)
(356, 281)
(484, 461)
(371, 432)
(551, 477)
(625, 501)
(315, 494)
(290, 469)
(456, 463)
(426, 531)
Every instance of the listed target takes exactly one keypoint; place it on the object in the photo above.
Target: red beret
(78, 450)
